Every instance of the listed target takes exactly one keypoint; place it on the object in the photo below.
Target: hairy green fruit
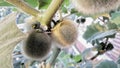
(95, 6)
(37, 45)
(65, 33)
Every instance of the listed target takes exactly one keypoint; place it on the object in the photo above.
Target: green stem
(25, 7)
(53, 7)
(55, 55)
(47, 16)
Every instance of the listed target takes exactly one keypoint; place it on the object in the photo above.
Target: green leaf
(5, 4)
(14, 9)
(115, 17)
(66, 2)
(64, 9)
(73, 11)
(43, 4)
(106, 64)
(77, 58)
(102, 35)
(118, 60)
(91, 30)
(33, 3)
(65, 6)
(112, 26)
(1, 1)
(80, 14)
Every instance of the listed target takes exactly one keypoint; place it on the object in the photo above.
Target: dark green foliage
(112, 26)
(90, 31)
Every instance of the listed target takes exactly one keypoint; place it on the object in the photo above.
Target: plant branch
(24, 6)
(53, 7)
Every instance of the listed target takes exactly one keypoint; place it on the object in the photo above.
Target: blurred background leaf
(43, 4)
(115, 18)
(102, 35)
(3, 3)
(77, 58)
(118, 61)
(86, 64)
(106, 64)
(112, 26)
(64, 9)
(91, 30)
(33, 3)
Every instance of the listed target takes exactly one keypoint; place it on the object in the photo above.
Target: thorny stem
(24, 6)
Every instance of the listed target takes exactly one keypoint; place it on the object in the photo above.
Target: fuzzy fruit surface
(95, 6)
(65, 33)
(37, 45)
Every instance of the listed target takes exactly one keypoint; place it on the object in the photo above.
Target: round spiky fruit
(65, 33)
(95, 6)
(37, 45)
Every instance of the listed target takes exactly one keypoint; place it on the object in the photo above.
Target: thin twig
(55, 55)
